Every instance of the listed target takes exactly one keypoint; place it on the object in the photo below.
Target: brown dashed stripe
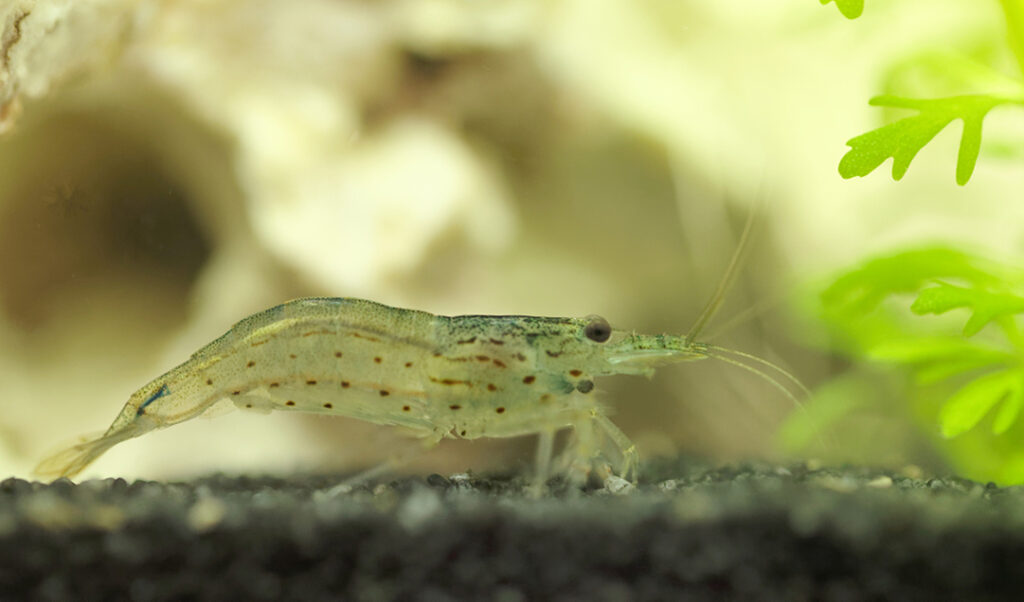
(499, 363)
(575, 372)
(521, 357)
(497, 341)
(552, 353)
(258, 343)
(236, 392)
(450, 381)
(455, 406)
(364, 336)
(310, 382)
(466, 341)
(482, 358)
(384, 393)
(275, 385)
(313, 332)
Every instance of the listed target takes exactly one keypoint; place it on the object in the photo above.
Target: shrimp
(436, 376)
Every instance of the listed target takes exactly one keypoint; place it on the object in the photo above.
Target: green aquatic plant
(948, 321)
(981, 88)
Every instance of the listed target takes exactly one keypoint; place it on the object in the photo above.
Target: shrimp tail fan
(73, 460)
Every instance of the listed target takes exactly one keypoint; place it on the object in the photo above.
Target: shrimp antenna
(727, 279)
(751, 357)
(718, 353)
(761, 373)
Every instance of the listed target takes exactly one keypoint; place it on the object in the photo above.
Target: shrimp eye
(598, 330)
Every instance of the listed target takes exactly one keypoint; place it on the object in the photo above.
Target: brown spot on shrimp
(500, 409)
(250, 364)
(455, 406)
(384, 392)
(311, 382)
(528, 380)
(289, 403)
(576, 372)
(492, 387)
(499, 363)
(377, 360)
(466, 341)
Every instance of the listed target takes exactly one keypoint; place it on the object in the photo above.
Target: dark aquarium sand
(748, 532)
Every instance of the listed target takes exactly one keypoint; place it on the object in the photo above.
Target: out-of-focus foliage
(851, 9)
(902, 139)
(966, 379)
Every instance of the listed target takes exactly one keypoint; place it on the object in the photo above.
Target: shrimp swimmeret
(438, 376)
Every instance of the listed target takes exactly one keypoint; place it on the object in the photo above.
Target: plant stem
(1014, 12)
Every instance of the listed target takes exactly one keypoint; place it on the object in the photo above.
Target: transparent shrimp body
(435, 376)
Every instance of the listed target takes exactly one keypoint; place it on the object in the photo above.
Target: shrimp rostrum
(436, 376)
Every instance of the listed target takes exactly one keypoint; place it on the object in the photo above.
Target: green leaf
(851, 9)
(1010, 410)
(861, 289)
(902, 139)
(985, 306)
(970, 403)
(936, 358)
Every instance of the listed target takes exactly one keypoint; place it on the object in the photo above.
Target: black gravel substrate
(749, 532)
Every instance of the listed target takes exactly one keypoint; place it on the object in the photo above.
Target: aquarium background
(167, 168)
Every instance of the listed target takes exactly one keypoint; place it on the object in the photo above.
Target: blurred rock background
(169, 167)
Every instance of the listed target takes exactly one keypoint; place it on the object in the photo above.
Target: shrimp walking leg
(626, 449)
(394, 462)
(542, 470)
